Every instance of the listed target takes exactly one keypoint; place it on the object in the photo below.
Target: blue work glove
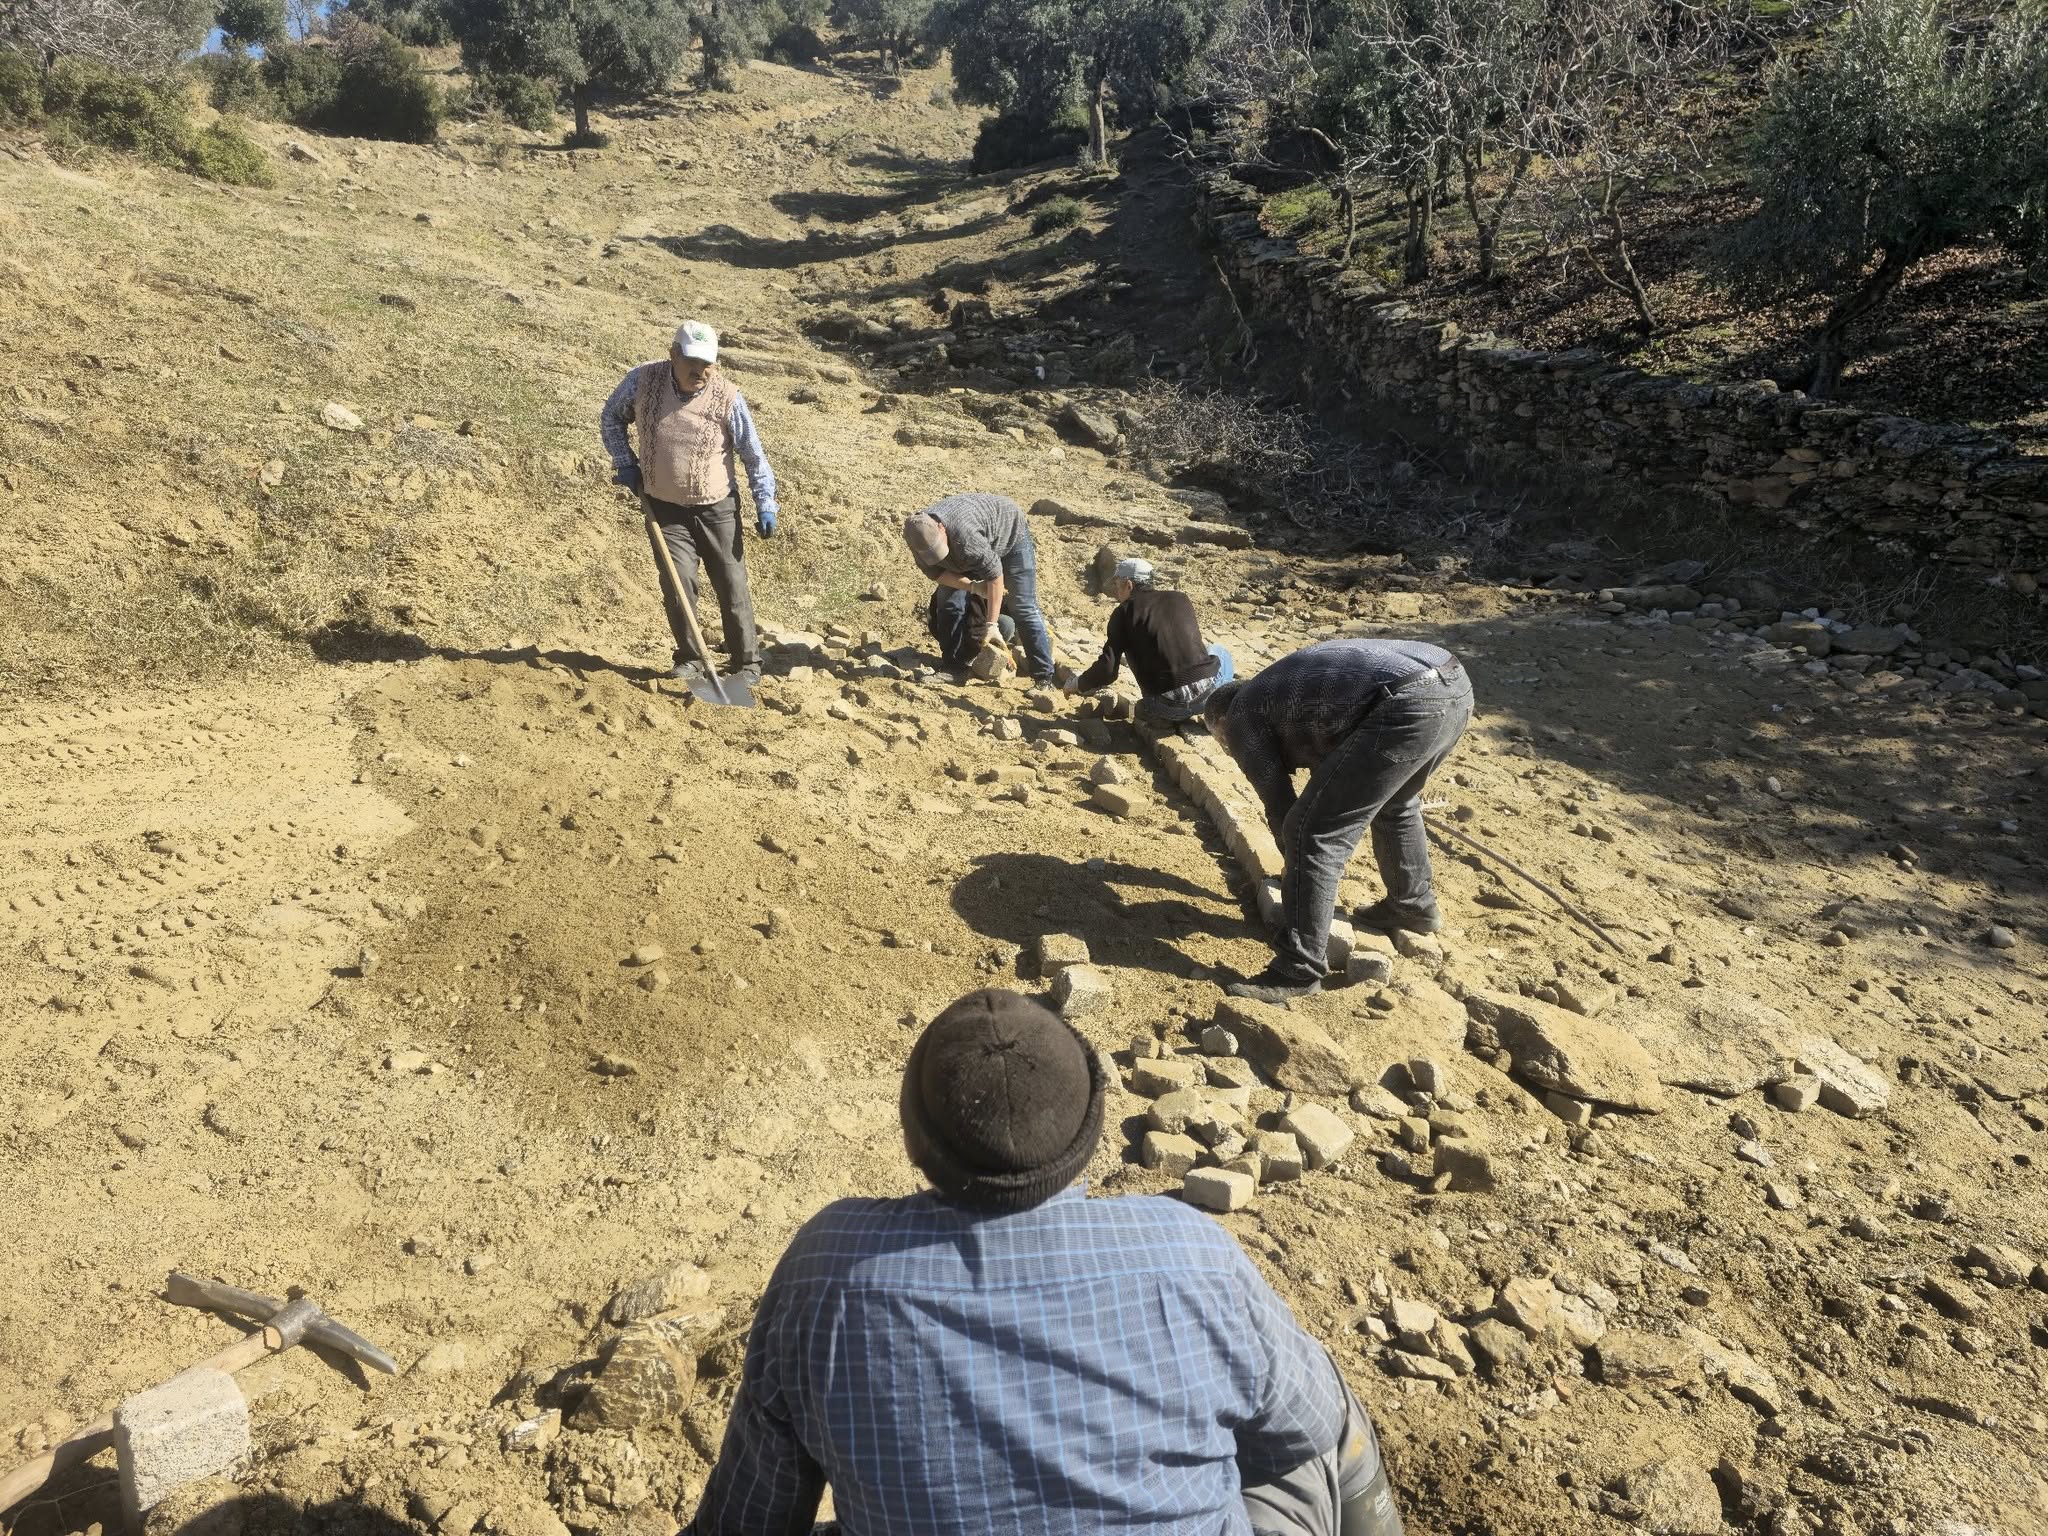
(629, 477)
(764, 521)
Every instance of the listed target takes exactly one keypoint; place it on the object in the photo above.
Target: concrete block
(1368, 966)
(1170, 1154)
(1057, 951)
(1116, 799)
(195, 1425)
(1324, 1138)
(1081, 991)
(1218, 1189)
(1156, 1078)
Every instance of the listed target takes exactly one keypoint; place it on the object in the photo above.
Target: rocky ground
(382, 923)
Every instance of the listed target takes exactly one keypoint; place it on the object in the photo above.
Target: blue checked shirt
(1085, 1366)
(1293, 714)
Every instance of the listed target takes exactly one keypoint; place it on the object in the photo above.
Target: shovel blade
(738, 693)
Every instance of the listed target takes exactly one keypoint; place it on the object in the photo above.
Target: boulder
(1086, 424)
(1293, 1051)
(1712, 1040)
(1557, 1050)
(1848, 1085)
(644, 1380)
(1673, 1498)
(1870, 640)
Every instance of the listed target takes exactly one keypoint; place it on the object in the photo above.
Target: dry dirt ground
(336, 809)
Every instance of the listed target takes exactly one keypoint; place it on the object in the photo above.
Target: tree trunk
(1638, 295)
(579, 100)
(1098, 123)
(1830, 347)
(1421, 207)
(1347, 204)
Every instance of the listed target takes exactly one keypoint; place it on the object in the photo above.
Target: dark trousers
(955, 619)
(1373, 778)
(713, 534)
(1020, 602)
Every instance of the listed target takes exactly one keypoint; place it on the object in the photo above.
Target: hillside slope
(343, 820)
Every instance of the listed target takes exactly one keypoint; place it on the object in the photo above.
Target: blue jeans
(1373, 778)
(1020, 602)
(1180, 704)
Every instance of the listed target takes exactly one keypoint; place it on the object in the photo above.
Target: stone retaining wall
(1935, 491)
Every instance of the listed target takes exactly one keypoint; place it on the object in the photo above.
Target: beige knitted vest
(683, 442)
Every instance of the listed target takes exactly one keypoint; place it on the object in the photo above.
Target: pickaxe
(284, 1324)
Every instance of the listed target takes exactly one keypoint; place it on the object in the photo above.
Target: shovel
(712, 689)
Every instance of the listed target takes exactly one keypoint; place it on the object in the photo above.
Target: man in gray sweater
(980, 543)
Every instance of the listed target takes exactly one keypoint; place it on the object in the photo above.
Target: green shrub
(21, 89)
(1057, 213)
(1006, 142)
(1301, 210)
(302, 81)
(112, 111)
(223, 152)
(234, 83)
(528, 102)
(368, 85)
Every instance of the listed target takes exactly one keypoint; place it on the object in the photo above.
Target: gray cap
(926, 536)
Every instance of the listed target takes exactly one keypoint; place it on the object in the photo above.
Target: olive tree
(141, 37)
(1904, 133)
(1043, 58)
(627, 47)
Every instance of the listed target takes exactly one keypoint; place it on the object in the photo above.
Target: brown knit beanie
(1002, 1102)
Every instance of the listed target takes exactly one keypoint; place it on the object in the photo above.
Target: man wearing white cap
(1156, 632)
(691, 423)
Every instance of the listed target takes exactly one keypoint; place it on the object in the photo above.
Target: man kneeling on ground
(982, 543)
(1371, 720)
(1156, 631)
(1002, 1355)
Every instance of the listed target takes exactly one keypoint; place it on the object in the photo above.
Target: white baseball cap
(696, 340)
(1134, 570)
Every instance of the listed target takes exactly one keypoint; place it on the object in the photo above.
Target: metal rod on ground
(668, 567)
(1450, 831)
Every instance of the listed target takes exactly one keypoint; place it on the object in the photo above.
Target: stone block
(195, 1425)
(1057, 951)
(1081, 992)
(1368, 966)
(1557, 1050)
(1796, 1094)
(1280, 1156)
(1848, 1085)
(1323, 1136)
(1465, 1168)
(1170, 1154)
(1342, 938)
(1117, 799)
(1156, 1078)
(1218, 1189)
(644, 1380)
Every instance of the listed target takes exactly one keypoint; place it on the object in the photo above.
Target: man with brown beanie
(1002, 1355)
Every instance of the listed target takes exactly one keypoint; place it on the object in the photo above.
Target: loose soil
(336, 810)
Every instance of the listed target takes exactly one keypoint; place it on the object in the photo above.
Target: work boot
(1271, 987)
(687, 670)
(750, 674)
(1385, 916)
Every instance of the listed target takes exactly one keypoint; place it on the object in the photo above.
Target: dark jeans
(1342, 1494)
(1020, 602)
(712, 533)
(1373, 778)
(955, 619)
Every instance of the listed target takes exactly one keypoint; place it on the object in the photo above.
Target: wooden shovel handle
(683, 599)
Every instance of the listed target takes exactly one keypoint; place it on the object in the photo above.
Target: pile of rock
(1891, 660)
(1216, 1123)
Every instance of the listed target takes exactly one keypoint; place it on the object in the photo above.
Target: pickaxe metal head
(311, 1325)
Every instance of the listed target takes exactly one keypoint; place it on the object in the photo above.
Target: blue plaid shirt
(1084, 1366)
